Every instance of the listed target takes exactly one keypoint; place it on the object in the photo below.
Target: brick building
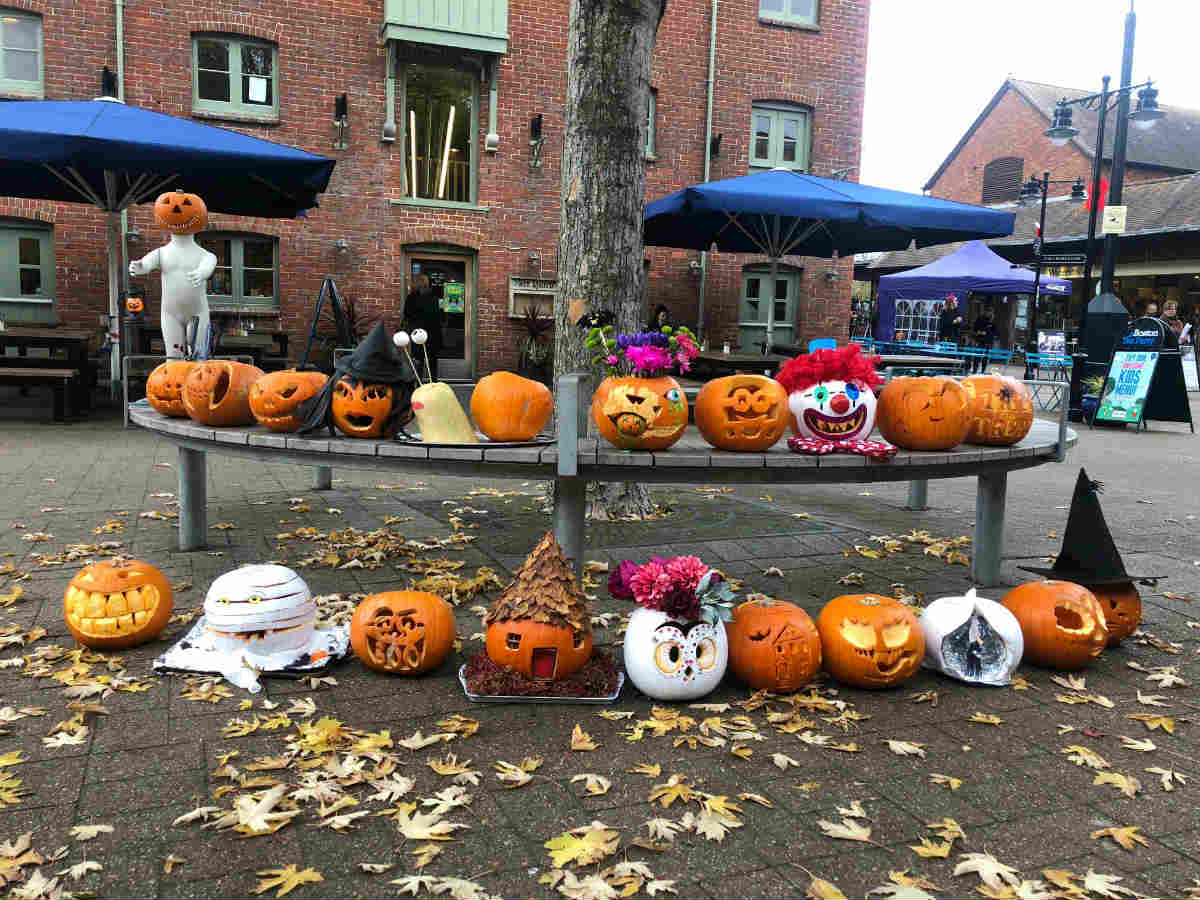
(459, 84)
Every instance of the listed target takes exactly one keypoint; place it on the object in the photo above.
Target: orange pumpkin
(773, 645)
(538, 649)
(1063, 623)
(361, 410)
(870, 641)
(640, 413)
(924, 413)
(276, 397)
(217, 392)
(112, 606)
(404, 632)
(1001, 410)
(1122, 605)
(742, 412)
(507, 407)
(164, 387)
(180, 212)
(135, 305)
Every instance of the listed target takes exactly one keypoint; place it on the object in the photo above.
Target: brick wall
(324, 52)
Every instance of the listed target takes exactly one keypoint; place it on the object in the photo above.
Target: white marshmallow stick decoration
(401, 340)
(419, 337)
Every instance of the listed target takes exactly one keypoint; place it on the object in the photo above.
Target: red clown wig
(844, 364)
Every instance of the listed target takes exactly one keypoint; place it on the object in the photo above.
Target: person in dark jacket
(421, 310)
(661, 318)
(983, 334)
(950, 322)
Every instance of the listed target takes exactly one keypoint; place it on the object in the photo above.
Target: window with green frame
(651, 112)
(26, 274)
(438, 134)
(235, 76)
(20, 53)
(780, 134)
(800, 12)
(247, 272)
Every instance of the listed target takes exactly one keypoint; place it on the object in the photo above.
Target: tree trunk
(610, 48)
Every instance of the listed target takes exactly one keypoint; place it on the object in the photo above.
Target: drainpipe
(712, 62)
(121, 96)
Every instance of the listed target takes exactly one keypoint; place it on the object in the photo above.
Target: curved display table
(691, 461)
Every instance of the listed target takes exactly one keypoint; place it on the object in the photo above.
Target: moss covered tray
(599, 681)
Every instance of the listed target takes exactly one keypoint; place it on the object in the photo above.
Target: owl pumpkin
(670, 659)
(831, 393)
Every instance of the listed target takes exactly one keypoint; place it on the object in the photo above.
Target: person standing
(984, 336)
(1170, 314)
(950, 322)
(421, 310)
(660, 319)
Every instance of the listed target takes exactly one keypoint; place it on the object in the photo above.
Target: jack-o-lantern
(405, 632)
(640, 413)
(507, 407)
(1001, 410)
(112, 606)
(671, 659)
(261, 610)
(1063, 623)
(773, 645)
(1122, 605)
(276, 397)
(870, 641)
(362, 410)
(134, 305)
(164, 387)
(180, 213)
(924, 413)
(972, 638)
(742, 412)
(217, 392)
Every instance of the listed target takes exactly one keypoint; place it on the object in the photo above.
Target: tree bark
(610, 48)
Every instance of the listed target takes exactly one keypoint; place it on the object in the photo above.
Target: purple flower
(620, 580)
(622, 341)
(681, 604)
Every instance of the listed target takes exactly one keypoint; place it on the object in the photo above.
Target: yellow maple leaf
(583, 846)
(595, 785)
(985, 719)
(675, 788)
(1126, 784)
(425, 854)
(947, 829)
(1152, 721)
(931, 849)
(286, 879)
(581, 740)
(650, 770)
(1126, 836)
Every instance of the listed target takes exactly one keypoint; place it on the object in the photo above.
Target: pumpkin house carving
(540, 625)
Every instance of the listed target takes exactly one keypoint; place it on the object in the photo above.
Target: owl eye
(254, 598)
(706, 654)
(667, 656)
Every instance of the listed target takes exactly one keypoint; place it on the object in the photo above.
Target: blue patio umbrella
(114, 156)
(781, 212)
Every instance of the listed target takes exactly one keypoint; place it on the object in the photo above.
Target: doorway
(754, 308)
(452, 278)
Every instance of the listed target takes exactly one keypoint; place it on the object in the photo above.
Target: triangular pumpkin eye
(187, 202)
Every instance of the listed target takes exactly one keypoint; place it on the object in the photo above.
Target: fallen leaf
(594, 785)
(782, 761)
(947, 829)
(583, 846)
(425, 854)
(581, 740)
(650, 770)
(848, 830)
(1168, 777)
(1152, 721)
(901, 892)
(1106, 885)
(757, 798)
(953, 783)
(985, 719)
(990, 870)
(675, 788)
(171, 862)
(1083, 756)
(615, 715)
(375, 868)
(1126, 836)
(286, 879)
(905, 748)
(1126, 784)
(1143, 746)
(932, 849)
(425, 826)
(88, 832)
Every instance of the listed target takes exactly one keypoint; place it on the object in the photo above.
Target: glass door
(448, 314)
(753, 309)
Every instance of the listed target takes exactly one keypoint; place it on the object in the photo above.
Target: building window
(235, 76)
(917, 320)
(439, 133)
(779, 136)
(1002, 179)
(20, 53)
(247, 272)
(651, 112)
(800, 12)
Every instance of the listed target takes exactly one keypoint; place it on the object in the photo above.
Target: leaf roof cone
(544, 590)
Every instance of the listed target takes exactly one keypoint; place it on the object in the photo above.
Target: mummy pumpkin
(260, 610)
(830, 394)
(972, 639)
(669, 659)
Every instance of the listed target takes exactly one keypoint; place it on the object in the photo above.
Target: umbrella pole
(771, 305)
(114, 303)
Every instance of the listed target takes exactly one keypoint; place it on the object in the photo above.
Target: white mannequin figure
(186, 268)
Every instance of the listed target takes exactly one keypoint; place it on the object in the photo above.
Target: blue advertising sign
(1128, 383)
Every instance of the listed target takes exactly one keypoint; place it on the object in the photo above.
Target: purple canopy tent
(973, 268)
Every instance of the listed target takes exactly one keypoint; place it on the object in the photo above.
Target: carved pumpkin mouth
(111, 615)
(250, 637)
(359, 421)
(836, 426)
(220, 389)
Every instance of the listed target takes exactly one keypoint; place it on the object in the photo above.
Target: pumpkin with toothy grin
(836, 427)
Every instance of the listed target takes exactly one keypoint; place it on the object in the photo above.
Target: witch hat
(374, 361)
(1088, 554)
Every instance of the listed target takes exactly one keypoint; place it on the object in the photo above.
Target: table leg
(193, 499)
(570, 509)
(989, 528)
(322, 478)
(918, 494)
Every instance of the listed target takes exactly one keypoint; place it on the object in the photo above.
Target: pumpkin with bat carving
(870, 641)
(773, 645)
(402, 632)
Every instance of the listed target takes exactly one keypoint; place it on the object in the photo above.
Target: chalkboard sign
(1127, 387)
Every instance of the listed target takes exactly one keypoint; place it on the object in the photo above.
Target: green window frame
(792, 12)
(247, 272)
(235, 76)
(27, 290)
(651, 114)
(22, 62)
(752, 308)
(780, 135)
(440, 180)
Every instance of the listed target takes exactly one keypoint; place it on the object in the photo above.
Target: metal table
(575, 460)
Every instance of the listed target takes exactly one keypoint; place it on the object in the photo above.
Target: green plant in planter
(536, 350)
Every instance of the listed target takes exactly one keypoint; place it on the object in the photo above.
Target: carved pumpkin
(361, 410)
(869, 641)
(135, 305)
(773, 645)
(1001, 410)
(1063, 623)
(276, 397)
(180, 213)
(507, 407)
(742, 412)
(924, 413)
(112, 606)
(405, 632)
(538, 650)
(640, 413)
(164, 387)
(217, 392)
(1122, 605)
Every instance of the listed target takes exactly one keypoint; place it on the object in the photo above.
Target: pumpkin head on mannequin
(742, 412)
(924, 413)
(276, 397)
(403, 632)
(1001, 410)
(180, 212)
(870, 641)
(164, 387)
(831, 393)
(117, 605)
(362, 410)
(1063, 623)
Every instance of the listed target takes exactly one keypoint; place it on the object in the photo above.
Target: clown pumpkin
(830, 393)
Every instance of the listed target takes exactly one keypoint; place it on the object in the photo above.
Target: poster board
(1127, 386)
(1146, 377)
(1052, 342)
(1191, 377)
(453, 297)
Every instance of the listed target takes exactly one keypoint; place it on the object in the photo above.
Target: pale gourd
(440, 416)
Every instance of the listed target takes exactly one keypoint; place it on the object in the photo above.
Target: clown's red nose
(840, 404)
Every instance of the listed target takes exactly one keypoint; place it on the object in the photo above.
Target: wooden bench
(62, 381)
(85, 382)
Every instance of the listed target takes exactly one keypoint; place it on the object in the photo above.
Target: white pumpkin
(972, 639)
(440, 416)
(668, 659)
(263, 609)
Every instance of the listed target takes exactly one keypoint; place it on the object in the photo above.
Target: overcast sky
(932, 65)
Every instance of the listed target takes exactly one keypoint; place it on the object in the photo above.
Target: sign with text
(1054, 342)
(1114, 220)
(1128, 383)
(1191, 377)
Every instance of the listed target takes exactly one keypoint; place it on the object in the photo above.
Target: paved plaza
(1022, 763)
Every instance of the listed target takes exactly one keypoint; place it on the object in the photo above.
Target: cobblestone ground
(157, 753)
